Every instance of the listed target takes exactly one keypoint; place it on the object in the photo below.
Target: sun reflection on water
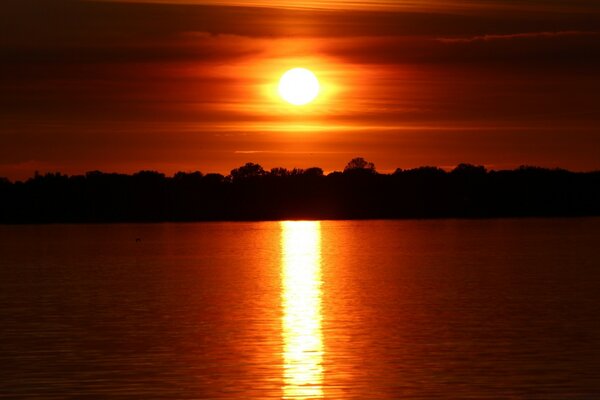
(301, 299)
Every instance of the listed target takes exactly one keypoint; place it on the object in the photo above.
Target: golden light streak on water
(301, 300)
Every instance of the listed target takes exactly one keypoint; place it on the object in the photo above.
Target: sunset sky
(192, 85)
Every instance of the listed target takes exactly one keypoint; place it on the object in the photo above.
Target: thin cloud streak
(288, 152)
(527, 35)
(389, 5)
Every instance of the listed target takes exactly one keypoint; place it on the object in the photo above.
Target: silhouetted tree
(469, 169)
(213, 178)
(249, 170)
(188, 176)
(279, 172)
(313, 171)
(359, 163)
(422, 171)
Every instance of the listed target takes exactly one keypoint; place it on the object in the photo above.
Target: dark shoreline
(251, 194)
(209, 221)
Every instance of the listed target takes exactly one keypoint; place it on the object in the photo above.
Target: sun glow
(299, 86)
(301, 300)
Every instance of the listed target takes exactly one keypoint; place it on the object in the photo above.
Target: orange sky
(116, 86)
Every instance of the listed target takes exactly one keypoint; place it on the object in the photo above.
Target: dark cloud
(527, 35)
(36, 22)
(70, 31)
(567, 49)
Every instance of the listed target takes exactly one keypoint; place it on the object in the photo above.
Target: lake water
(334, 309)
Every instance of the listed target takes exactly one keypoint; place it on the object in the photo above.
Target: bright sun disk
(299, 86)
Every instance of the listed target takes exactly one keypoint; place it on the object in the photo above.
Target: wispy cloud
(289, 152)
(526, 35)
(386, 5)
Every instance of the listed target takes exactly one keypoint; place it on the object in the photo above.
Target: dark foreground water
(336, 309)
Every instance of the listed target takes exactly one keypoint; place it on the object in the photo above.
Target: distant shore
(251, 193)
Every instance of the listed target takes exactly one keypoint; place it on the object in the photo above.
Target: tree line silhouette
(252, 193)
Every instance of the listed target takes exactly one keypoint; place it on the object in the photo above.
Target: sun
(299, 86)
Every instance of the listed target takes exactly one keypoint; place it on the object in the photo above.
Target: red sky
(189, 85)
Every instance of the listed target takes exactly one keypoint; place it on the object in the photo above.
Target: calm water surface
(299, 310)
